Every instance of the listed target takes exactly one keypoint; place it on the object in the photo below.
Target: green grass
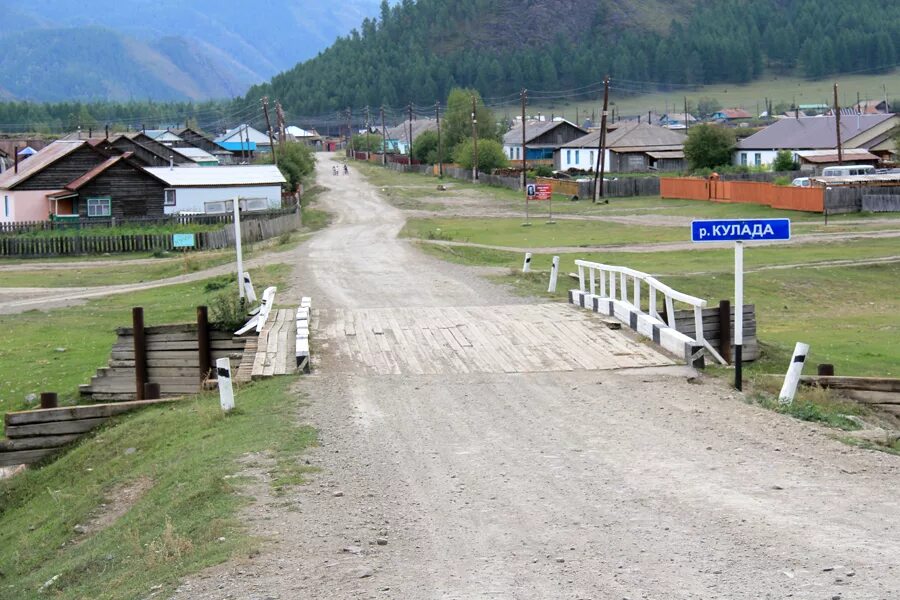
(816, 406)
(509, 232)
(186, 521)
(121, 273)
(30, 364)
(314, 218)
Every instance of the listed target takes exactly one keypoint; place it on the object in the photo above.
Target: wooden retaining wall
(252, 230)
(173, 361)
(34, 434)
(684, 322)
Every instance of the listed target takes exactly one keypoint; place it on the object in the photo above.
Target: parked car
(801, 182)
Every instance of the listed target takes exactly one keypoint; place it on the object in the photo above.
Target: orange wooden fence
(750, 192)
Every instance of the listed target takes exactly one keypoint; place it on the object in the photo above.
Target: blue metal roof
(238, 146)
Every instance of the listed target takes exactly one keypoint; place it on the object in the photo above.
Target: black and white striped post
(792, 377)
(738, 315)
(526, 266)
(223, 376)
(554, 274)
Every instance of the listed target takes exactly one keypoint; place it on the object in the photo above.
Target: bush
(543, 171)
(490, 155)
(425, 148)
(784, 161)
(708, 147)
(226, 311)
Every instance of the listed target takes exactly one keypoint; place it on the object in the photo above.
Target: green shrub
(227, 310)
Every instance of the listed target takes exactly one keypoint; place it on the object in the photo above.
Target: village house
(731, 115)
(630, 147)
(677, 120)
(871, 133)
(397, 139)
(542, 139)
(197, 139)
(70, 178)
(214, 190)
(244, 138)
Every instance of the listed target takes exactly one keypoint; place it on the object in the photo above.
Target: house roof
(809, 132)
(196, 154)
(162, 135)
(228, 176)
(634, 136)
(37, 163)
(299, 132)
(667, 154)
(533, 130)
(244, 132)
(419, 126)
(678, 117)
(735, 113)
(830, 156)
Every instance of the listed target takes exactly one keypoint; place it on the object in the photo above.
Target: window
(5, 206)
(169, 198)
(744, 159)
(518, 153)
(576, 156)
(568, 157)
(757, 159)
(99, 207)
(592, 159)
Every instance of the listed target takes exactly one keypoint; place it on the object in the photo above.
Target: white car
(801, 182)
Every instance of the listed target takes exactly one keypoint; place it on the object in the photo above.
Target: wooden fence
(750, 192)
(252, 230)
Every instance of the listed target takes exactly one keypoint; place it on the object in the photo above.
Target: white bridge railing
(626, 285)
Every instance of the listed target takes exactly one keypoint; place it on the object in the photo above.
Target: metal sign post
(530, 192)
(739, 231)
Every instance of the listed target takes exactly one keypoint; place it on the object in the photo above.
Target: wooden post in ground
(151, 391)
(203, 341)
(140, 352)
(725, 329)
(825, 370)
(48, 400)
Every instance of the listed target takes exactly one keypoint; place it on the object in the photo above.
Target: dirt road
(602, 482)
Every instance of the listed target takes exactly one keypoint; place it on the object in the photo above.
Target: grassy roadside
(86, 333)
(177, 464)
(314, 218)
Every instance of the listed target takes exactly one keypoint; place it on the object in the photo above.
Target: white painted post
(554, 273)
(738, 314)
(602, 284)
(652, 305)
(637, 293)
(623, 288)
(526, 267)
(237, 246)
(795, 369)
(223, 375)
(593, 281)
(248, 288)
(581, 286)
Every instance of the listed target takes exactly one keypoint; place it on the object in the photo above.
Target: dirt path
(589, 483)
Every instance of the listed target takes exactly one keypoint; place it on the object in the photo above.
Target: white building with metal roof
(213, 190)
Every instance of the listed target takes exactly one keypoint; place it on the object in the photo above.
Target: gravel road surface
(605, 484)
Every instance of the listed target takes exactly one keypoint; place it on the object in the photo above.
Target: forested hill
(418, 50)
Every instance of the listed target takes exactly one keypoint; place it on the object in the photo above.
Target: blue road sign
(183, 240)
(740, 230)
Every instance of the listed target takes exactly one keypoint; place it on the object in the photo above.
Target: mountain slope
(417, 51)
(221, 46)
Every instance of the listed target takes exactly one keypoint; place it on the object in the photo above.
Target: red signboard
(539, 191)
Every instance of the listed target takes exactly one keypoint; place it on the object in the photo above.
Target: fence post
(140, 352)
(223, 376)
(49, 400)
(526, 267)
(203, 341)
(152, 391)
(725, 329)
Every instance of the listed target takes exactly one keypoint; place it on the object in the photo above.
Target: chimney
(107, 131)
(90, 132)
(16, 158)
(796, 112)
(171, 162)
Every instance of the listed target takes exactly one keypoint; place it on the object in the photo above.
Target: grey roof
(533, 129)
(419, 126)
(809, 132)
(633, 135)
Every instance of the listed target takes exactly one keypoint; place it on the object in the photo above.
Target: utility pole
(687, 123)
(858, 106)
(837, 125)
(279, 114)
(368, 147)
(887, 108)
(265, 104)
(601, 142)
(383, 140)
(437, 116)
(350, 130)
(524, 160)
(409, 154)
(475, 140)
(576, 117)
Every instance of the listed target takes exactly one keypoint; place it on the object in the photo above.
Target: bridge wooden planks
(275, 347)
(481, 339)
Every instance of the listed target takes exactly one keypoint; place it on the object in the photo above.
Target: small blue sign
(741, 230)
(183, 240)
